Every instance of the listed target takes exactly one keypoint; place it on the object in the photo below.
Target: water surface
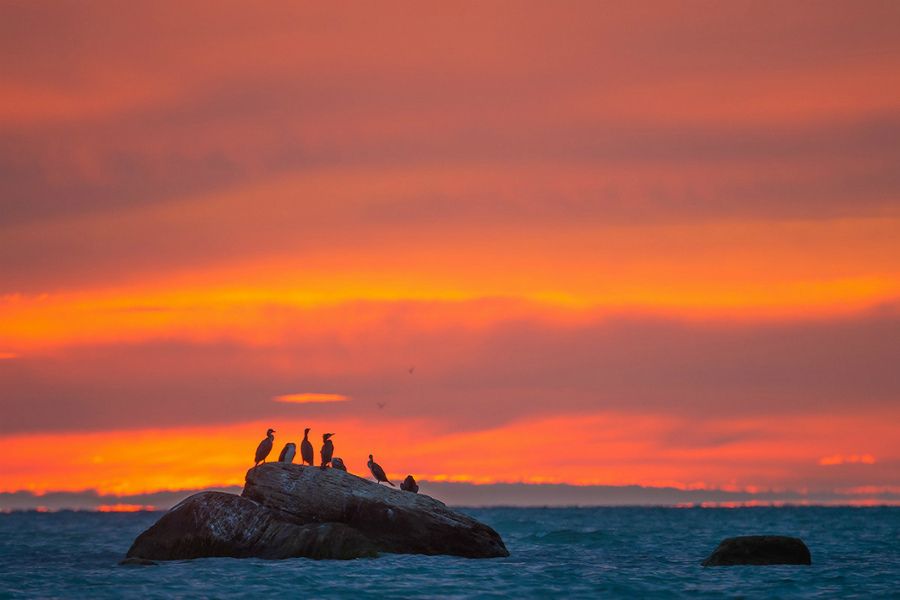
(580, 552)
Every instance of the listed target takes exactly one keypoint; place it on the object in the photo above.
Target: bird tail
(390, 482)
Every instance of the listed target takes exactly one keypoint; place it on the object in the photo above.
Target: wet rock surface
(289, 510)
(395, 521)
(219, 524)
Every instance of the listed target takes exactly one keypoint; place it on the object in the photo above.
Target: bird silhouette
(288, 453)
(381, 405)
(265, 446)
(327, 449)
(409, 485)
(378, 472)
(306, 449)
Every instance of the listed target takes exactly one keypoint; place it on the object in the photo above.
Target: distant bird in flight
(327, 449)
(411, 369)
(409, 485)
(337, 463)
(378, 472)
(381, 405)
(306, 449)
(288, 452)
(265, 446)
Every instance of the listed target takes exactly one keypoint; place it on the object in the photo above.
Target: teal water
(579, 552)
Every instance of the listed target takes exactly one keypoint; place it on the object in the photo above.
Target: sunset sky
(594, 243)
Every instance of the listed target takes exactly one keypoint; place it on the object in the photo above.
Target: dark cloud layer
(469, 377)
(113, 110)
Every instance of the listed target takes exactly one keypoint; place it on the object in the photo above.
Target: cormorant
(306, 449)
(288, 452)
(378, 472)
(409, 485)
(265, 446)
(327, 449)
(337, 463)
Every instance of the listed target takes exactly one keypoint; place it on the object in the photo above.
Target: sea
(621, 552)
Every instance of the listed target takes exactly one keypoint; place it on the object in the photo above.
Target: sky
(496, 243)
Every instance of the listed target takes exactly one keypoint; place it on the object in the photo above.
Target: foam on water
(613, 552)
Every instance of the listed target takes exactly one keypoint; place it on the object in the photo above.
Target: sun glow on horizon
(615, 449)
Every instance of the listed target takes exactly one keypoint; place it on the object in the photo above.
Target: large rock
(218, 524)
(395, 521)
(289, 510)
(759, 550)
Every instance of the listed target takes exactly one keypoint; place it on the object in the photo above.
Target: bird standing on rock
(327, 449)
(378, 472)
(288, 453)
(306, 449)
(265, 446)
(337, 463)
(409, 485)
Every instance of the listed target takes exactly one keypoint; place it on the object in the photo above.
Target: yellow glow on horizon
(612, 449)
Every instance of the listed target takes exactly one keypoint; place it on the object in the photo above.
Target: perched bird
(265, 446)
(288, 452)
(337, 463)
(378, 472)
(327, 449)
(306, 449)
(409, 485)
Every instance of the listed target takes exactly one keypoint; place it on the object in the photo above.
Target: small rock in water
(759, 550)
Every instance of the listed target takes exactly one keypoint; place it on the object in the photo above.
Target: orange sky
(509, 242)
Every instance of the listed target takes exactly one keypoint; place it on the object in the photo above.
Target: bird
(265, 446)
(381, 405)
(327, 449)
(337, 463)
(409, 485)
(306, 449)
(288, 452)
(411, 369)
(378, 472)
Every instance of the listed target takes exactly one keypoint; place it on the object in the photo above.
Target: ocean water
(577, 552)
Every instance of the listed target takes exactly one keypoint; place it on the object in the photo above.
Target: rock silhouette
(759, 550)
(219, 524)
(290, 510)
(395, 521)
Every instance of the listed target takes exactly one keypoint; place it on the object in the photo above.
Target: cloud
(840, 459)
(470, 372)
(542, 119)
(310, 398)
